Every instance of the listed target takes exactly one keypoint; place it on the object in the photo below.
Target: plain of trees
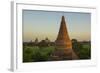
(43, 50)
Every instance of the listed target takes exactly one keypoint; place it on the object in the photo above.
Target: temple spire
(64, 43)
(63, 37)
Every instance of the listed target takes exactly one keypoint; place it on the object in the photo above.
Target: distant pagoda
(64, 43)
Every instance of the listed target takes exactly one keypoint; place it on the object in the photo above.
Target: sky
(46, 24)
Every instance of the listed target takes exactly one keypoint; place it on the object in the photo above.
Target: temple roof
(63, 32)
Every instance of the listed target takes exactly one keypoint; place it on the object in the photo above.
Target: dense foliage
(37, 54)
(43, 53)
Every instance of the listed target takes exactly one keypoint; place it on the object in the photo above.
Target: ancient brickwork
(64, 43)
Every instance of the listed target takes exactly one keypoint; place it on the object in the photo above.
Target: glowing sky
(42, 24)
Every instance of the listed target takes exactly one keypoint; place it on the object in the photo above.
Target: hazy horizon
(42, 24)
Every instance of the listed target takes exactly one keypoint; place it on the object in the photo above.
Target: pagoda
(63, 43)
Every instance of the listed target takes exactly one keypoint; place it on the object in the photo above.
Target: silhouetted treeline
(42, 43)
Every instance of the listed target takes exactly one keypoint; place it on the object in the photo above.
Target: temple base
(64, 54)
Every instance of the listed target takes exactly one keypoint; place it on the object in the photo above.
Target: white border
(17, 63)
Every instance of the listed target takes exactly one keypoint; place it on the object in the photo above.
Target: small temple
(63, 43)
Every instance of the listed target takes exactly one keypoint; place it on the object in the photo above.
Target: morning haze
(42, 24)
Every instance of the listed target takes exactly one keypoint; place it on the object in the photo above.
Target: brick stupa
(64, 43)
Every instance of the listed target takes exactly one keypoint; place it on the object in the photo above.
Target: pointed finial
(62, 17)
